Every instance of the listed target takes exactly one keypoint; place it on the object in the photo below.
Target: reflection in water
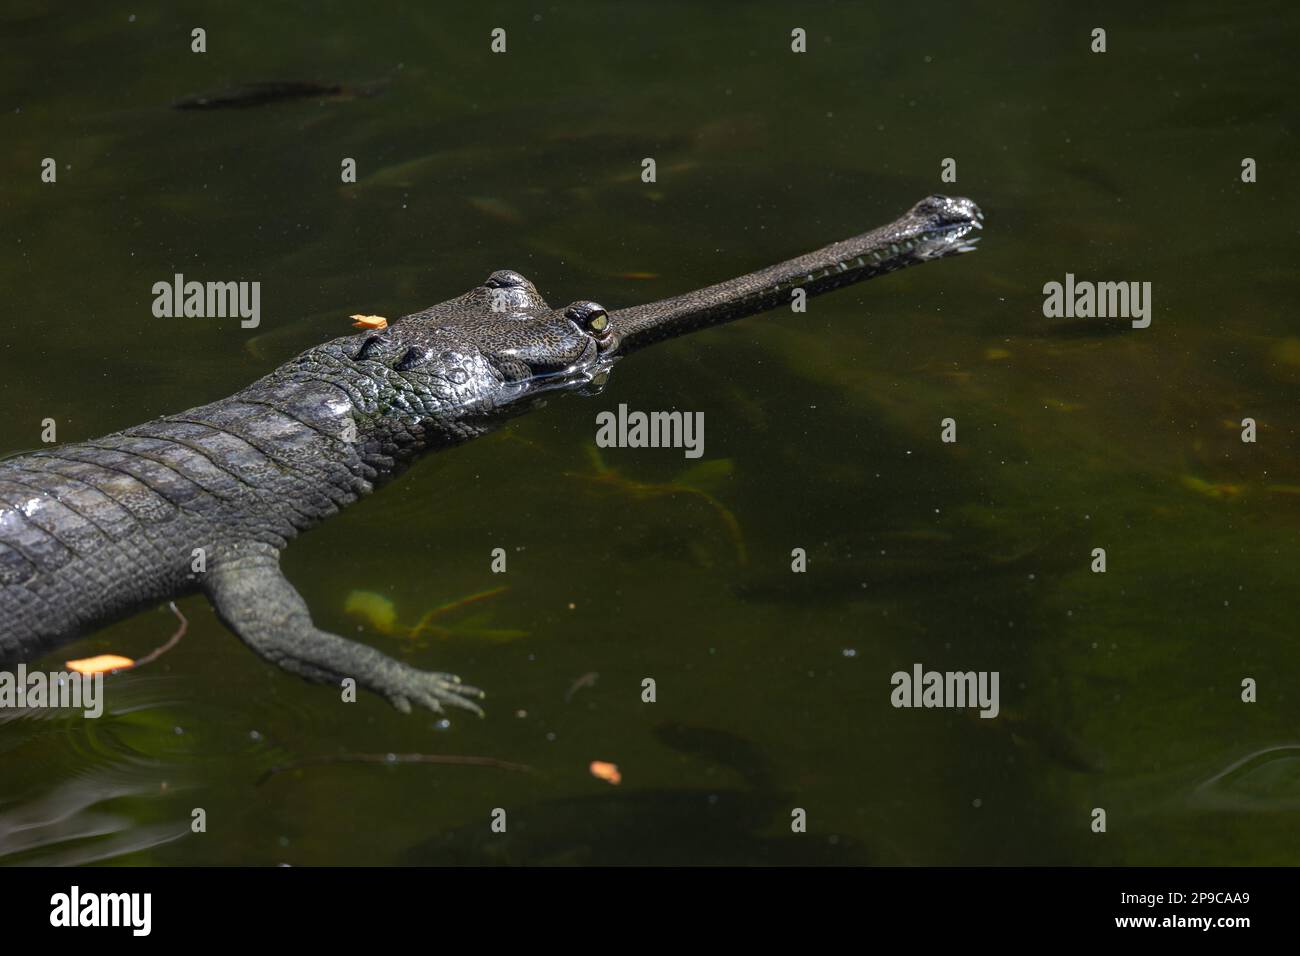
(112, 791)
(76, 823)
(1263, 781)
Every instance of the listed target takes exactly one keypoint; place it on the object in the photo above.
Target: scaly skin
(93, 532)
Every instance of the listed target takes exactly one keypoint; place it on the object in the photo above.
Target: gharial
(94, 531)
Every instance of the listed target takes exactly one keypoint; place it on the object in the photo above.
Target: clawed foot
(409, 686)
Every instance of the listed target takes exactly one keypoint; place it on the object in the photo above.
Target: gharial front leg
(255, 600)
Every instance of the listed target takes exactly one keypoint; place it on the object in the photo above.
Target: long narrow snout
(936, 227)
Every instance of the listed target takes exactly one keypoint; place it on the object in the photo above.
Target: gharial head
(938, 226)
(486, 350)
(481, 355)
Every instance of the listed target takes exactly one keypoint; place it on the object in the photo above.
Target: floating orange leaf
(375, 322)
(606, 771)
(100, 664)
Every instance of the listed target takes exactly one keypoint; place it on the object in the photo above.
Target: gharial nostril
(505, 279)
(369, 348)
(411, 358)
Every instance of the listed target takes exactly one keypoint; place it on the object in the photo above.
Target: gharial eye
(505, 279)
(590, 317)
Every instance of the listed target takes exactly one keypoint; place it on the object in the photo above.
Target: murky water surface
(1119, 691)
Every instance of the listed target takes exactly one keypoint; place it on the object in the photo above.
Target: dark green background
(1119, 691)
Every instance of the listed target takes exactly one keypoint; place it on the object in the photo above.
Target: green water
(1119, 691)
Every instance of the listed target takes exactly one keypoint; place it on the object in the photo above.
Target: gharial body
(95, 531)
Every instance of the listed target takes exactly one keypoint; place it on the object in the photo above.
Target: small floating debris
(586, 680)
(99, 664)
(608, 772)
(375, 609)
(273, 91)
(393, 759)
(690, 483)
(380, 613)
(113, 663)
